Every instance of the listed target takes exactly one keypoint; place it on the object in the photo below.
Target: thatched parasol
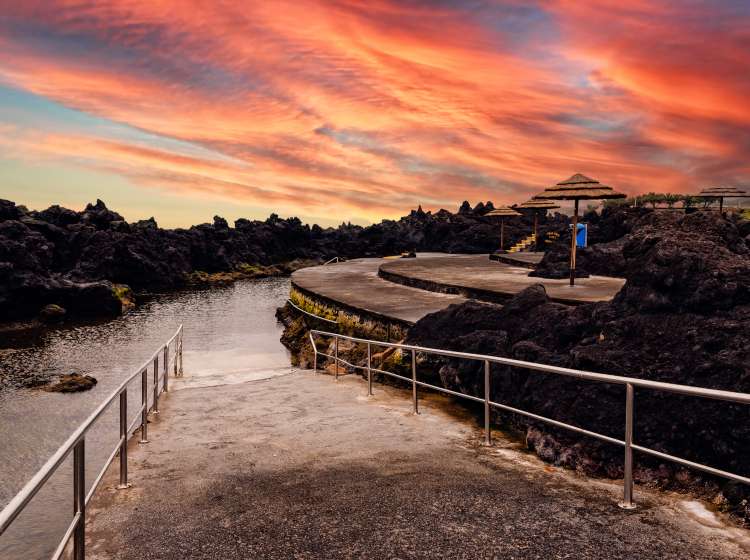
(578, 187)
(721, 193)
(537, 205)
(502, 212)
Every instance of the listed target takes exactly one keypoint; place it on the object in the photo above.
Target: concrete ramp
(301, 466)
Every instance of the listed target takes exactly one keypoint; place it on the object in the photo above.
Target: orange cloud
(374, 107)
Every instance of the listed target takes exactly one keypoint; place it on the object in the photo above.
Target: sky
(344, 110)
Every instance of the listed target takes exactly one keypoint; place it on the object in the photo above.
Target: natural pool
(228, 330)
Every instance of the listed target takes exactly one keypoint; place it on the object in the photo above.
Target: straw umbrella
(578, 187)
(503, 212)
(537, 205)
(721, 193)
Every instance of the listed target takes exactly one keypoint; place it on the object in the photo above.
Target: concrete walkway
(299, 466)
(478, 276)
(355, 284)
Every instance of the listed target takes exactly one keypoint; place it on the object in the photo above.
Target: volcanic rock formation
(84, 261)
(683, 316)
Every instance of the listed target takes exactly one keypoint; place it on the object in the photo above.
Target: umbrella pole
(536, 227)
(502, 234)
(573, 245)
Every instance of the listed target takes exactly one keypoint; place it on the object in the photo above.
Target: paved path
(478, 276)
(299, 466)
(356, 284)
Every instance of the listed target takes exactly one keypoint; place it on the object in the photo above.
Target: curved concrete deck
(476, 276)
(406, 290)
(524, 259)
(356, 285)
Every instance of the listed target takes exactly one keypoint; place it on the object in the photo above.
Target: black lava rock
(59, 256)
(683, 316)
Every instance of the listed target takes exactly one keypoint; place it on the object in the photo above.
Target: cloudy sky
(357, 110)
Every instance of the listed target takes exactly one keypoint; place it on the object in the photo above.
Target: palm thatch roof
(723, 192)
(539, 205)
(578, 187)
(503, 211)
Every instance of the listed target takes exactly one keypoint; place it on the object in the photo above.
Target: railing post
(79, 499)
(123, 440)
(487, 433)
(144, 404)
(414, 395)
(336, 355)
(181, 335)
(369, 370)
(627, 500)
(166, 368)
(156, 385)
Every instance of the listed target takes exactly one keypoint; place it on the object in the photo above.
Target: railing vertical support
(180, 337)
(79, 499)
(315, 353)
(627, 500)
(369, 370)
(123, 440)
(336, 355)
(166, 368)
(156, 385)
(415, 396)
(176, 354)
(487, 433)
(144, 404)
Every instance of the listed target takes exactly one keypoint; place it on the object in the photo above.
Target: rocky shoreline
(90, 263)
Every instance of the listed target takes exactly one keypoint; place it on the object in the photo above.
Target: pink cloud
(373, 107)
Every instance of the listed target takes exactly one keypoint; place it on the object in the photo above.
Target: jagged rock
(9, 210)
(99, 215)
(72, 383)
(146, 224)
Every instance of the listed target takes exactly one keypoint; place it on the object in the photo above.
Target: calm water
(228, 330)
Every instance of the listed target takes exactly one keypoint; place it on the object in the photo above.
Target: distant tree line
(669, 200)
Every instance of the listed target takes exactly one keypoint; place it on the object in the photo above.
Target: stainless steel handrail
(76, 444)
(298, 308)
(629, 382)
(333, 260)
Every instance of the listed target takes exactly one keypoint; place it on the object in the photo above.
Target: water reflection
(229, 329)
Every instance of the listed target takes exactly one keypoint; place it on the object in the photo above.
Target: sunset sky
(337, 110)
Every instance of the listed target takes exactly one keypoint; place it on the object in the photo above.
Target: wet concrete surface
(477, 275)
(301, 466)
(356, 285)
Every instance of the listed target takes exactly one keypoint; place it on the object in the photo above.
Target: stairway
(523, 244)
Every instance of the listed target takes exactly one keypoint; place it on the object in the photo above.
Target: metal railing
(313, 315)
(333, 260)
(629, 382)
(76, 444)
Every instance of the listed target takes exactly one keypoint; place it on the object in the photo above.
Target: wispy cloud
(372, 107)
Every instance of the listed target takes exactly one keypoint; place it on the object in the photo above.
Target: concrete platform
(524, 259)
(356, 285)
(300, 466)
(476, 276)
